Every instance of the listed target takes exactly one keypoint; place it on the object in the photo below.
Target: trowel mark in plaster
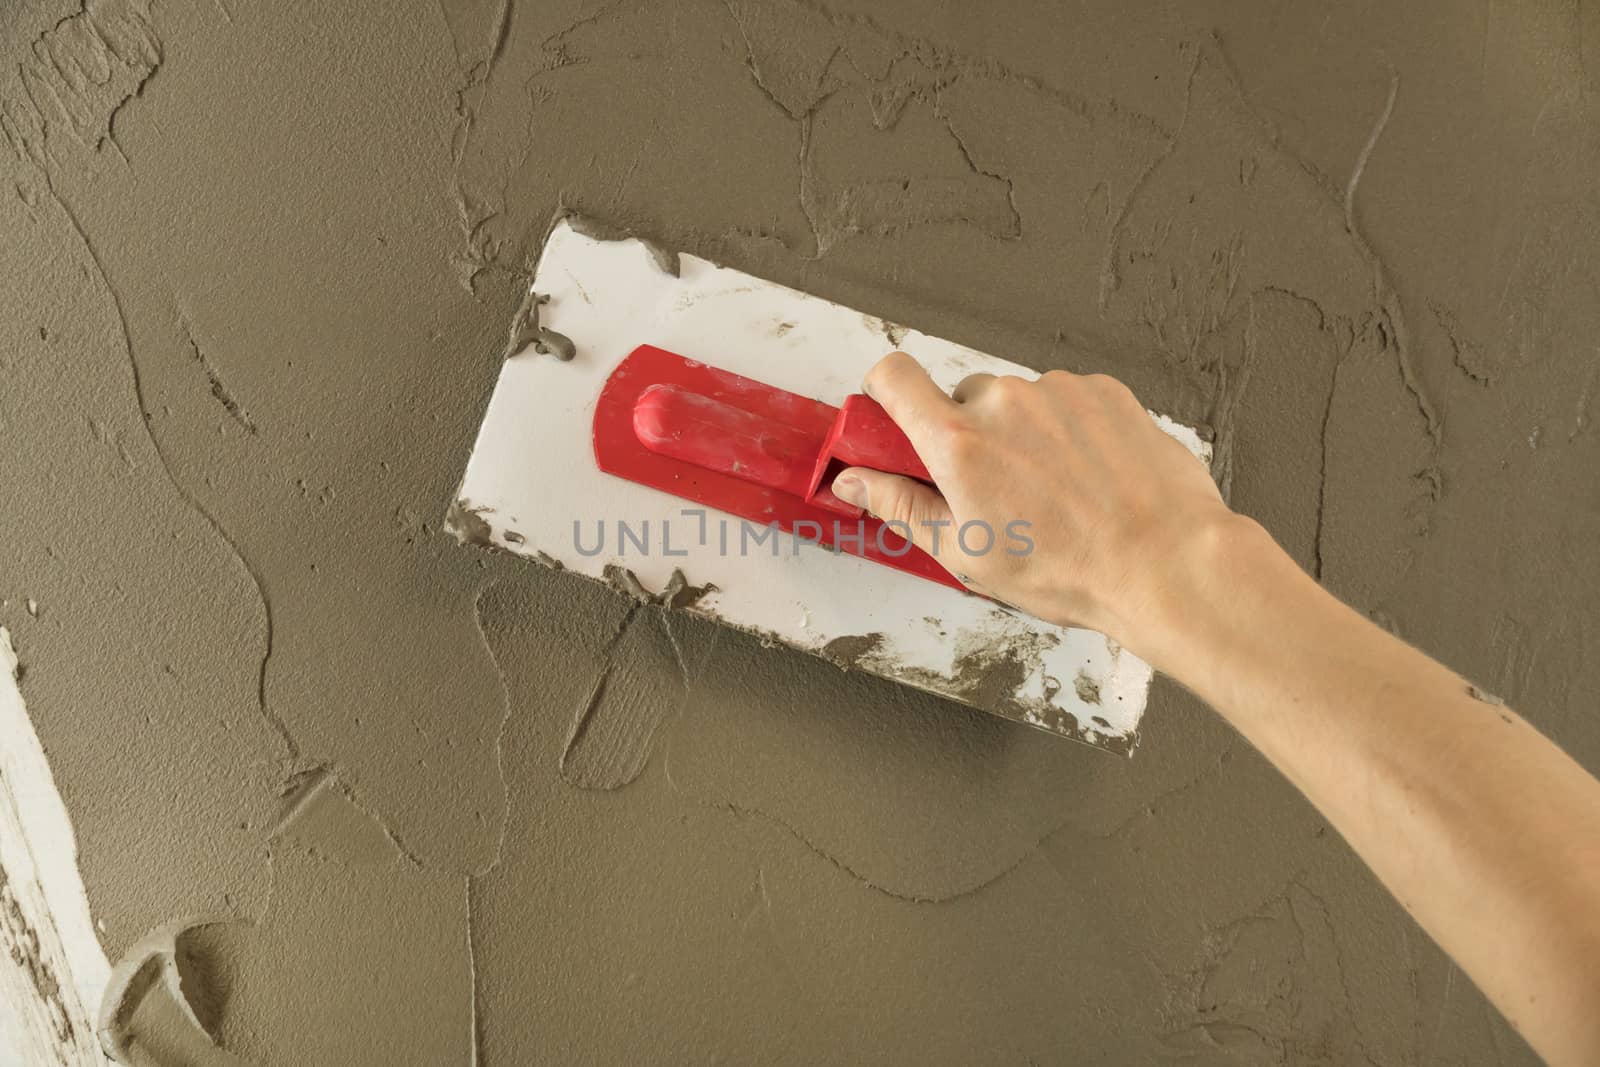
(804, 57)
(888, 206)
(76, 75)
(1188, 247)
(1195, 298)
(273, 720)
(1466, 353)
(219, 391)
(165, 1001)
(857, 57)
(643, 682)
(695, 668)
(725, 804)
(1184, 249)
(320, 814)
(1268, 983)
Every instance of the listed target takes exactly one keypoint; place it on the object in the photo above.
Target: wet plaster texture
(414, 802)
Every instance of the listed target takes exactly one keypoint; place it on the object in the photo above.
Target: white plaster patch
(52, 970)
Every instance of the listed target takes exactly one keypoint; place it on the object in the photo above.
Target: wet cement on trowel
(527, 333)
(254, 320)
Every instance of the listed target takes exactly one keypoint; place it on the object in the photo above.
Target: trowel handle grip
(863, 435)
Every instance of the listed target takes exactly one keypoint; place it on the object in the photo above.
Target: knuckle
(1008, 388)
(1112, 391)
(972, 385)
(886, 369)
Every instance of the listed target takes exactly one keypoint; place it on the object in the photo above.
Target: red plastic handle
(863, 435)
(754, 451)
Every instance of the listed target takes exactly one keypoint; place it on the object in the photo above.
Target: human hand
(1081, 510)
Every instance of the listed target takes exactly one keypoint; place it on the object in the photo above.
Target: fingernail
(851, 490)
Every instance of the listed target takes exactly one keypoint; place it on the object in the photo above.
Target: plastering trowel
(666, 424)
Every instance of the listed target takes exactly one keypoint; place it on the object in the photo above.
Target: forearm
(1486, 831)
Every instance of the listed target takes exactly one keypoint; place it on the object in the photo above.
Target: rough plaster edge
(52, 969)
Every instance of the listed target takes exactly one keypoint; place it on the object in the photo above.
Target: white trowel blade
(532, 487)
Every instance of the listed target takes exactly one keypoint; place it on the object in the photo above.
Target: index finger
(916, 404)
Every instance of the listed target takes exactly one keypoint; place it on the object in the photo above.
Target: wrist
(1202, 575)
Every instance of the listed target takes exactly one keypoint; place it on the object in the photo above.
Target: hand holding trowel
(1485, 830)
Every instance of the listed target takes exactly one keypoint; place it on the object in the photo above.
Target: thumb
(910, 508)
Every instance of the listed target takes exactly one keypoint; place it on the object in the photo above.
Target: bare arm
(1483, 829)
